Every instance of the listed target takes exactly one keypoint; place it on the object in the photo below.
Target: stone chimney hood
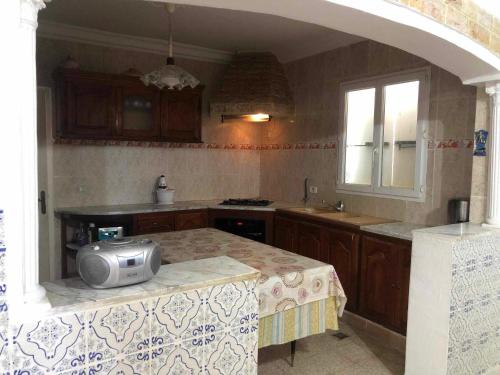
(254, 84)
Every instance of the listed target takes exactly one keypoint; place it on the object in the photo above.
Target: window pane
(359, 138)
(400, 135)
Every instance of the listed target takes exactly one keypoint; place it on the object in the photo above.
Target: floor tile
(357, 354)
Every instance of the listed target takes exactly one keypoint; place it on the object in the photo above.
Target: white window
(383, 151)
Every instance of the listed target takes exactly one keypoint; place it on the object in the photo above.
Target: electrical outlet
(313, 189)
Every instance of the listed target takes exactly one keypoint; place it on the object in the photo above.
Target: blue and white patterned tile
(4, 314)
(55, 344)
(3, 275)
(178, 317)
(119, 329)
(131, 364)
(184, 358)
(4, 351)
(226, 306)
(226, 354)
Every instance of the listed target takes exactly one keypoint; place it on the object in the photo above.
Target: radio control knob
(96, 247)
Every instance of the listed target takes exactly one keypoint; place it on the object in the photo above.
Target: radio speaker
(94, 269)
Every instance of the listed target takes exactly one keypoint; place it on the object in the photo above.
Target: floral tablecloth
(287, 280)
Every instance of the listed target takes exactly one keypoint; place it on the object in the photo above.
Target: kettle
(459, 210)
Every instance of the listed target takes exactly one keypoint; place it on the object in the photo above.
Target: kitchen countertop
(170, 278)
(129, 209)
(459, 231)
(331, 216)
(400, 230)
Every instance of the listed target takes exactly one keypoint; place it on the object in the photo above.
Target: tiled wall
(315, 84)
(103, 175)
(474, 343)
(480, 163)
(213, 330)
(464, 16)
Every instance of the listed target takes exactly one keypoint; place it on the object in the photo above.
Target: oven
(254, 229)
(252, 224)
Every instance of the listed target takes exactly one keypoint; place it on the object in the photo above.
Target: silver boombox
(117, 262)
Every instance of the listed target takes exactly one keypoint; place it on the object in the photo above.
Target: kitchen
(313, 174)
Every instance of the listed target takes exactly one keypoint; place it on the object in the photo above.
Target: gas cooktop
(246, 202)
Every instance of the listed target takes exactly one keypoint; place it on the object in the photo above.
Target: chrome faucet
(339, 206)
(306, 192)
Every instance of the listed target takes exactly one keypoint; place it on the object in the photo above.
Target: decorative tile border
(432, 145)
(450, 143)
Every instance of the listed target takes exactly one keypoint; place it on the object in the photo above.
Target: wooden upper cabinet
(341, 251)
(285, 233)
(85, 106)
(119, 107)
(181, 115)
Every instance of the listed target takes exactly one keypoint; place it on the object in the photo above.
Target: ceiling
(221, 29)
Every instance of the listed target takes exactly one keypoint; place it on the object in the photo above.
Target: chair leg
(292, 351)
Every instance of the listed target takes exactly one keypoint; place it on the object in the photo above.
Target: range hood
(254, 88)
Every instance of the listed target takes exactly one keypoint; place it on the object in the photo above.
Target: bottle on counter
(91, 233)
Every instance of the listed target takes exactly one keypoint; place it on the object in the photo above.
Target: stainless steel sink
(311, 210)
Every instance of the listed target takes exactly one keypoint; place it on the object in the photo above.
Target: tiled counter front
(211, 330)
(457, 267)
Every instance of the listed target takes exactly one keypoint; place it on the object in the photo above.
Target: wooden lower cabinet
(169, 221)
(341, 249)
(154, 223)
(191, 220)
(384, 281)
(373, 270)
(285, 234)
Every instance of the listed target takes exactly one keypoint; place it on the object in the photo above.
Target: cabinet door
(190, 220)
(342, 252)
(404, 284)
(89, 108)
(285, 233)
(181, 115)
(379, 276)
(153, 223)
(309, 240)
(138, 111)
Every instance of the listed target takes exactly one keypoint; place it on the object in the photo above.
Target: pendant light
(170, 75)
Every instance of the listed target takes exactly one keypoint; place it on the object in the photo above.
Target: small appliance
(117, 262)
(164, 195)
(459, 210)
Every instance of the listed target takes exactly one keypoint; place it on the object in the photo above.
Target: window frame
(423, 75)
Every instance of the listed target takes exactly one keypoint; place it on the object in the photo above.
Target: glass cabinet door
(139, 107)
